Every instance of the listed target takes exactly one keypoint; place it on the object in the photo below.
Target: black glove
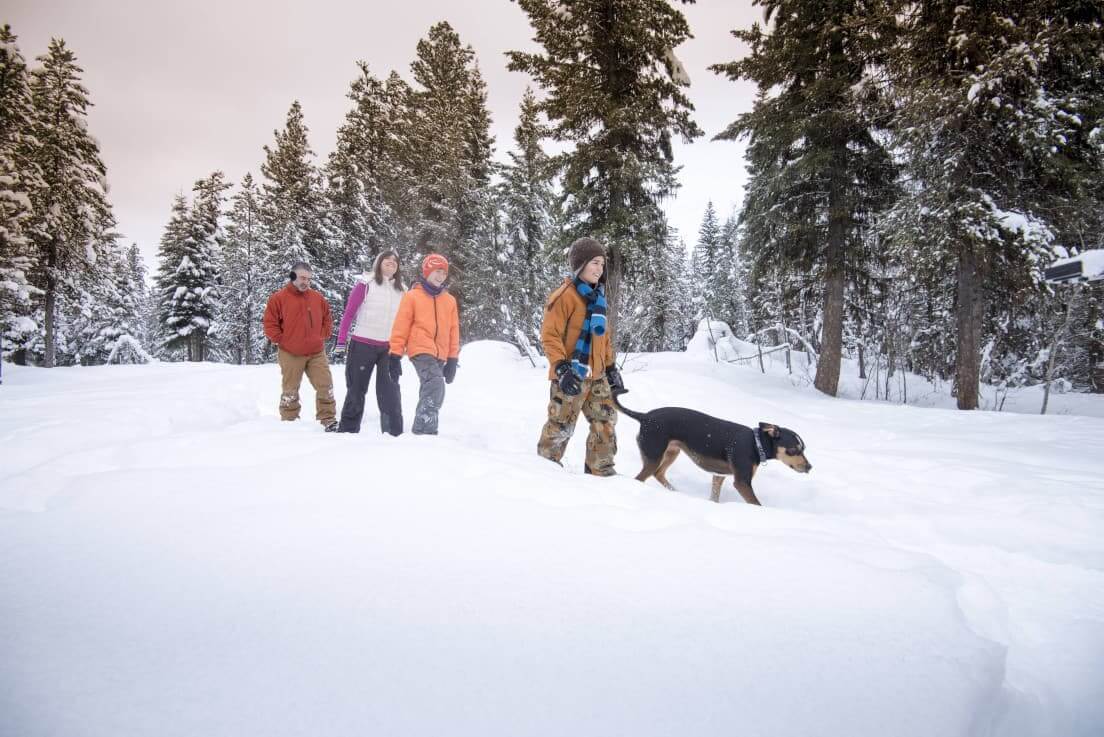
(450, 370)
(568, 379)
(617, 384)
(395, 368)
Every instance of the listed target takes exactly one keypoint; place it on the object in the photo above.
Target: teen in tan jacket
(581, 364)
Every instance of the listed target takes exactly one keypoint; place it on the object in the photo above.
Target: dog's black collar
(759, 445)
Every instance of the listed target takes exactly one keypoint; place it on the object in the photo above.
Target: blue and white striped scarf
(594, 324)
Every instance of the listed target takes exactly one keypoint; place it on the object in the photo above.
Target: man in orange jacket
(298, 320)
(427, 328)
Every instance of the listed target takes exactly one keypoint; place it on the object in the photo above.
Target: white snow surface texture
(175, 561)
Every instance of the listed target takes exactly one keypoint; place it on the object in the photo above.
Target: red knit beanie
(433, 262)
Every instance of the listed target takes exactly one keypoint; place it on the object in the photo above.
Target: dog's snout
(808, 467)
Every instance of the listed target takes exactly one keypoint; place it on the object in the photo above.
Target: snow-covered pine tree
(137, 307)
(661, 290)
(200, 304)
(814, 129)
(731, 289)
(450, 148)
(776, 286)
(294, 210)
(245, 269)
(18, 177)
(706, 263)
(71, 210)
(101, 308)
(527, 200)
(997, 108)
(170, 254)
(192, 304)
(616, 90)
(396, 170)
(355, 173)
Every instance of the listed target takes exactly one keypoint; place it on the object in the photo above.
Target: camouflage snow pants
(596, 403)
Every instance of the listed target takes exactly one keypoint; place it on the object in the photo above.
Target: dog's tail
(638, 416)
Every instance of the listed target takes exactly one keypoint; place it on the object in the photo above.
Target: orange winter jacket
(298, 322)
(564, 313)
(426, 324)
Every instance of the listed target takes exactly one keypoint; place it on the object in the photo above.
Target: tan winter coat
(564, 313)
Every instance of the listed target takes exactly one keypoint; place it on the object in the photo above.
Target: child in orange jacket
(427, 328)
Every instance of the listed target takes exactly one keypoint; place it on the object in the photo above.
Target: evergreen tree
(615, 89)
(356, 173)
(18, 178)
(707, 265)
(662, 295)
(997, 104)
(246, 278)
(71, 210)
(528, 202)
(450, 150)
(814, 133)
(294, 211)
(731, 288)
(102, 308)
(136, 307)
(396, 168)
(170, 255)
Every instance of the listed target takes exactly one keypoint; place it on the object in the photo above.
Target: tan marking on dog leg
(715, 494)
(669, 457)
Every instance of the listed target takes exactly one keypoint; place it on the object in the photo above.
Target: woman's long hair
(377, 270)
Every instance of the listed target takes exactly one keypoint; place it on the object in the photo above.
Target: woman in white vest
(370, 311)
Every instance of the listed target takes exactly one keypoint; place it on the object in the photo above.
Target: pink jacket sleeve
(351, 306)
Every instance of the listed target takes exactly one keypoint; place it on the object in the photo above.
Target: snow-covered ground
(176, 561)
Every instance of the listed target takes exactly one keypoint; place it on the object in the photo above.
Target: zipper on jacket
(436, 327)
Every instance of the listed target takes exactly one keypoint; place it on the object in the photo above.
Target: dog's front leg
(744, 487)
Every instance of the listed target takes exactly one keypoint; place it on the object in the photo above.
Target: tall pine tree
(18, 178)
(814, 134)
(996, 108)
(244, 266)
(616, 91)
(294, 209)
(71, 211)
(528, 201)
(450, 155)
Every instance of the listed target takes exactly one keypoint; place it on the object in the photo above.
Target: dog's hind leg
(669, 457)
(715, 495)
(650, 466)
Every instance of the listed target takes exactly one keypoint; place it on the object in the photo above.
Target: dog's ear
(769, 429)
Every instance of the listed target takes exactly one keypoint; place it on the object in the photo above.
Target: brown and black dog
(720, 447)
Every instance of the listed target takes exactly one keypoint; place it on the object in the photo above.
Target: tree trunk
(615, 266)
(249, 335)
(49, 359)
(828, 367)
(831, 349)
(968, 323)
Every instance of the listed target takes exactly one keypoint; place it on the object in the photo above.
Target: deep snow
(176, 561)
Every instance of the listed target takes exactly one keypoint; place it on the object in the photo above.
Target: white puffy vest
(376, 313)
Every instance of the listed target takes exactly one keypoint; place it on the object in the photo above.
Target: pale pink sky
(183, 88)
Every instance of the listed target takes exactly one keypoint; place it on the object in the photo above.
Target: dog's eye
(793, 451)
